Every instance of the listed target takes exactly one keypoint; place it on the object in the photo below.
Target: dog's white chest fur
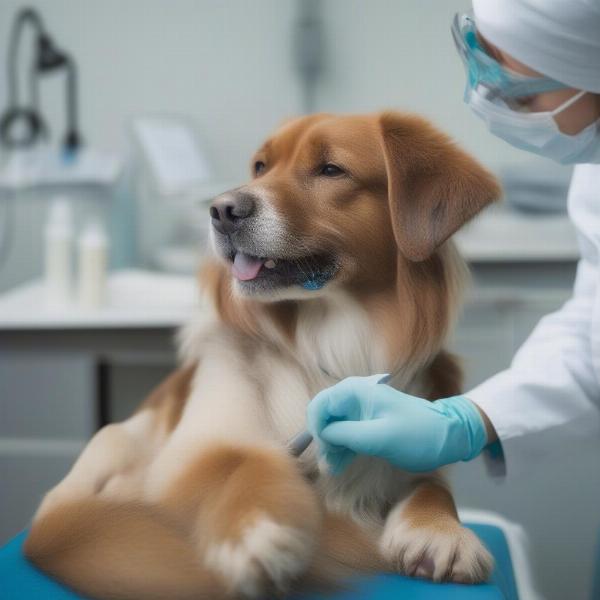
(335, 338)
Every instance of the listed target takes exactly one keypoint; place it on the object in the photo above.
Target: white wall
(226, 64)
(400, 54)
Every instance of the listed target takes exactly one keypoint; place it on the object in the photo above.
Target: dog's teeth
(270, 264)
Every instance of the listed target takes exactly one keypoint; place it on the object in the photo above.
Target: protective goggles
(483, 69)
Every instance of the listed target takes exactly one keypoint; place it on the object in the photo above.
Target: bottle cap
(93, 234)
(60, 216)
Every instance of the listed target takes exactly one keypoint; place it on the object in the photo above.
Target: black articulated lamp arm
(72, 140)
(17, 117)
(27, 15)
(25, 116)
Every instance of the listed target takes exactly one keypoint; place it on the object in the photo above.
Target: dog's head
(340, 200)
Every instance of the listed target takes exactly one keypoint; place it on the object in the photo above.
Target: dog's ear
(433, 186)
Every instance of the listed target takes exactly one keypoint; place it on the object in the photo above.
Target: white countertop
(147, 300)
(501, 234)
(136, 298)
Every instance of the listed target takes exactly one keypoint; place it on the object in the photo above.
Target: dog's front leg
(250, 513)
(252, 517)
(423, 537)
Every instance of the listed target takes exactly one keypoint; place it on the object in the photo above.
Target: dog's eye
(331, 170)
(259, 167)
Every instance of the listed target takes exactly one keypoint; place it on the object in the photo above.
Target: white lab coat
(553, 382)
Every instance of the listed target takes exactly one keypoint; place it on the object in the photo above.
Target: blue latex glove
(359, 415)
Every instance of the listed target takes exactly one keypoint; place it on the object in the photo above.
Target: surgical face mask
(536, 132)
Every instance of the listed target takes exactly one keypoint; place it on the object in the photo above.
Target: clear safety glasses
(482, 69)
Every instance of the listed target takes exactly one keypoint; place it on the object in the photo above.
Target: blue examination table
(19, 580)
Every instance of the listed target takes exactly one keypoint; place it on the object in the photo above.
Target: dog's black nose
(229, 211)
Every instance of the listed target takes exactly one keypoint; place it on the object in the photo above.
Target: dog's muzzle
(262, 252)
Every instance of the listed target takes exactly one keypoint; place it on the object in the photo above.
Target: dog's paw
(264, 559)
(448, 553)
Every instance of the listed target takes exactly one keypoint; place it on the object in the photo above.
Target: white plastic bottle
(58, 236)
(92, 263)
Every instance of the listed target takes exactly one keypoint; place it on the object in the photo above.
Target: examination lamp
(22, 124)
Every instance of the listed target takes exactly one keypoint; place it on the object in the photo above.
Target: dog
(334, 260)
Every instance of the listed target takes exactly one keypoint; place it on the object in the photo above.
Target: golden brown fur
(194, 496)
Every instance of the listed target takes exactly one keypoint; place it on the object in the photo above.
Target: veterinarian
(533, 76)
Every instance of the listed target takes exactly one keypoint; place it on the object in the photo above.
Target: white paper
(173, 154)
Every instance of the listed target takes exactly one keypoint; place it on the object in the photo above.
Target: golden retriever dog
(334, 260)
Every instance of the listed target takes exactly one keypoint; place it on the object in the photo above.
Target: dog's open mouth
(310, 272)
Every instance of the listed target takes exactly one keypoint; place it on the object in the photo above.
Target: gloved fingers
(332, 402)
(349, 399)
(345, 403)
(362, 437)
(317, 413)
(352, 398)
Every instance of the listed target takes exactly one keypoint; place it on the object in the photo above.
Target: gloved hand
(361, 416)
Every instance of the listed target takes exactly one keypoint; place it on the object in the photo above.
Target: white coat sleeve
(551, 386)
(551, 381)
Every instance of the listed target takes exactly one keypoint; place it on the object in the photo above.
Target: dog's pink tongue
(246, 267)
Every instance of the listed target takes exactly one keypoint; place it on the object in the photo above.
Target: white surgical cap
(558, 38)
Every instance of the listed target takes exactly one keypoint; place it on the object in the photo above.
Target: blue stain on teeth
(316, 281)
(313, 284)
